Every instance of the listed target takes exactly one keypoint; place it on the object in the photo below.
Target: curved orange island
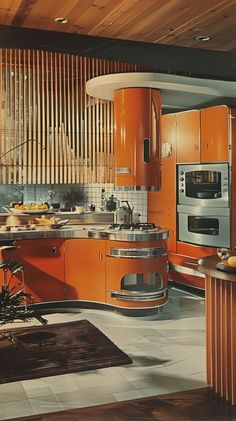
(220, 328)
(92, 267)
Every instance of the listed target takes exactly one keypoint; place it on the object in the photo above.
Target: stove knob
(181, 190)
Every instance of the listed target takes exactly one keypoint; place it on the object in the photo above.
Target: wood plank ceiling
(173, 22)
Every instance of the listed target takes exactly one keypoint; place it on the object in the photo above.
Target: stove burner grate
(134, 227)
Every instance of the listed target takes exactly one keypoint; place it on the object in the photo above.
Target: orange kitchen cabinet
(43, 263)
(85, 269)
(16, 282)
(215, 134)
(166, 218)
(136, 137)
(162, 204)
(183, 265)
(183, 270)
(117, 268)
(188, 136)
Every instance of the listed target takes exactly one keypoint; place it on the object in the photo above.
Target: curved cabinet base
(75, 306)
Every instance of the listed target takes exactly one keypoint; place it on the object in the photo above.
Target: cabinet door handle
(146, 149)
(54, 250)
(100, 255)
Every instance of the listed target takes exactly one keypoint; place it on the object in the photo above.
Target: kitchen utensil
(123, 215)
(60, 224)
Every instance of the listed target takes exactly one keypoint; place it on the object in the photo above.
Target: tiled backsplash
(56, 194)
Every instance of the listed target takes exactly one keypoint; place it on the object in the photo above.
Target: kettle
(123, 215)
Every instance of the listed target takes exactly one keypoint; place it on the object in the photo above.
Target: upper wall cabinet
(203, 135)
(188, 136)
(215, 134)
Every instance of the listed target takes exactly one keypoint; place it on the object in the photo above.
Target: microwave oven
(204, 184)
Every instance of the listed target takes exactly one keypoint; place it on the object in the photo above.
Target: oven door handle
(124, 295)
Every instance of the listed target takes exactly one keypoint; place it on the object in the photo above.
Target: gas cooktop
(141, 226)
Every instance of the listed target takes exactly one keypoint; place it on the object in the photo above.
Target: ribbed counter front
(220, 328)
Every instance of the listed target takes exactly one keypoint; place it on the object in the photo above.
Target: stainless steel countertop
(84, 231)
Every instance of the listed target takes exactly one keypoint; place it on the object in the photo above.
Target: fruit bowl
(30, 208)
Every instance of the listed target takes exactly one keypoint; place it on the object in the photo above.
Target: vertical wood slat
(77, 125)
(51, 126)
(18, 83)
(4, 134)
(14, 114)
(43, 117)
(64, 126)
(68, 137)
(47, 127)
(232, 343)
(24, 155)
(221, 337)
(37, 138)
(34, 118)
(82, 137)
(56, 124)
(10, 145)
(29, 103)
(73, 117)
(1, 127)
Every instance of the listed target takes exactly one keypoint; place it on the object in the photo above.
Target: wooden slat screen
(51, 130)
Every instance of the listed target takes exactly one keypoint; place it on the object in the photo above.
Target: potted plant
(74, 196)
(15, 303)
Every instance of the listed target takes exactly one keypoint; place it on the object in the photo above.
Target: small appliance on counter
(124, 214)
(111, 204)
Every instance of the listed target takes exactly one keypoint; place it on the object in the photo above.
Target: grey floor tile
(168, 353)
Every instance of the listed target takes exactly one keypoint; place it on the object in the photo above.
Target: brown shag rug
(55, 349)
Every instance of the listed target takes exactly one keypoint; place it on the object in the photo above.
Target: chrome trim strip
(187, 271)
(86, 231)
(123, 295)
(127, 235)
(137, 188)
(203, 211)
(141, 253)
(123, 170)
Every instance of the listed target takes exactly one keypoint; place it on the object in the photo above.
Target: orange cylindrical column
(137, 138)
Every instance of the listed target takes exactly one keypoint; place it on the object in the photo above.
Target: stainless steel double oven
(204, 204)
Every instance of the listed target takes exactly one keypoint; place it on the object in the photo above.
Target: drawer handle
(190, 263)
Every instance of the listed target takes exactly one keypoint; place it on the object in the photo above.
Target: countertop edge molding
(85, 232)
